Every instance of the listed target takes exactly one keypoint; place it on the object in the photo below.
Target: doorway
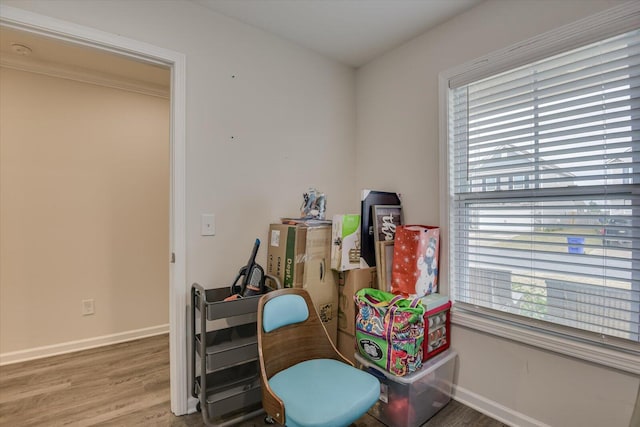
(17, 19)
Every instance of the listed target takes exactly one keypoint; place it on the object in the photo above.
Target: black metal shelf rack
(224, 364)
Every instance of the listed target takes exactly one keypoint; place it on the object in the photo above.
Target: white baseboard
(71, 346)
(494, 409)
(192, 404)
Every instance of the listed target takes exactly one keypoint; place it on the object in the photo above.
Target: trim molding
(192, 405)
(83, 75)
(85, 344)
(493, 409)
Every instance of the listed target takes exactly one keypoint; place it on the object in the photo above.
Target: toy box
(437, 325)
(411, 400)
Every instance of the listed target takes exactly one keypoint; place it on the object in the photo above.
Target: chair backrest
(290, 331)
(284, 310)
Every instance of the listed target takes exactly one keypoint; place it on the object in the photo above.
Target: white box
(345, 242)
(411, 400)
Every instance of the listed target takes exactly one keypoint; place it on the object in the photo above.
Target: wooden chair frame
(288, 346)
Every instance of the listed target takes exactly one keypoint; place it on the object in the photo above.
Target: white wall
(84, 191)
(397, 148)
(291, 113)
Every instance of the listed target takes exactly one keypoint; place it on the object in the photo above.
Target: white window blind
(545, 189)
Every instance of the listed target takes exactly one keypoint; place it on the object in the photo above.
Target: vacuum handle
(248, 269)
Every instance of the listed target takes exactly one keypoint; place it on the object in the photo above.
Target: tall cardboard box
(300, 257)
(350, 282)
(347, 345)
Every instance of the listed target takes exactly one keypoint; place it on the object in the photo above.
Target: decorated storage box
(437, 325)
(411, 400)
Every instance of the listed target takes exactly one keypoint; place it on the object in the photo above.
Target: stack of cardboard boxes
(350, 282)
(346, 261)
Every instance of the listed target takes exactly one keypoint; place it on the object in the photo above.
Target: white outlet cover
(88, 307)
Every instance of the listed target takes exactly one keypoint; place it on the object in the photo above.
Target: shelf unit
(224, 356)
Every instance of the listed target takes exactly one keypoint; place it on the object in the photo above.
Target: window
(518, 182)
(544, 190)
(491, 183)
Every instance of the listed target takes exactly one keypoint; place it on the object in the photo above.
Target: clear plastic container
(410, 401)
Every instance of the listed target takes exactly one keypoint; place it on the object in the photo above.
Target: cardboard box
(345, 244)
(350, 282)
(411, 400)
(299, 256)
(347, 345)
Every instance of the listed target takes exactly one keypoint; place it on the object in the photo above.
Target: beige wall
(397, 126)
(84, 202)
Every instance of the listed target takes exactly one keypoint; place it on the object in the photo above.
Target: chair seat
(314, 389)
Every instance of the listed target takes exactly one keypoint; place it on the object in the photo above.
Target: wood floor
(127, 385)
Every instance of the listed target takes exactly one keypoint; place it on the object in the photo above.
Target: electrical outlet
(88, 307)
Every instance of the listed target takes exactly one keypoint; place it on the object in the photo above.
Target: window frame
(617, 353)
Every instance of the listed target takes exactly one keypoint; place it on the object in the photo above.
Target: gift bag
(390, 330)
(415, 260)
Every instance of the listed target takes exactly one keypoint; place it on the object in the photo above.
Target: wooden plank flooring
(127, 385)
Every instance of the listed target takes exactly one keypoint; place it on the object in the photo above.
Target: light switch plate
(208, 225)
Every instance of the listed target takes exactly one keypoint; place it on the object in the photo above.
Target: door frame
(62, 30)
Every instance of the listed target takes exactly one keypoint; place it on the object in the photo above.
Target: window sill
(626, 361)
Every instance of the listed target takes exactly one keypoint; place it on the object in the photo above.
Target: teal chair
(305, 381)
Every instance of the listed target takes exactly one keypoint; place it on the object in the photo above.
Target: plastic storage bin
(411, 400)
(437, 325)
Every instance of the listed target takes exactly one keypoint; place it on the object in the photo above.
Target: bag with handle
(390, 330)
(415, 260)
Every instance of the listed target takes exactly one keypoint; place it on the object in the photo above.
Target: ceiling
(350, 31)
